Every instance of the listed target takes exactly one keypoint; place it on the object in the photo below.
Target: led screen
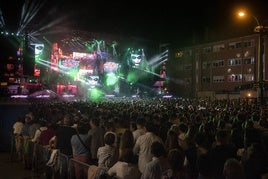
(110, 67)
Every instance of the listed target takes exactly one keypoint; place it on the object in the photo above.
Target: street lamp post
(260, 29)
(260, 64)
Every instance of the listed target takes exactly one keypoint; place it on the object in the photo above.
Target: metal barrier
(27, 150)
(37, 157)
(40, 157)
(14, 151)
(78, 169)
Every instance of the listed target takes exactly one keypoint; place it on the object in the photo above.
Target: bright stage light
(95, 94)
(111, 79)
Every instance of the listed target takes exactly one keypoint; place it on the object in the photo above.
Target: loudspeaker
(29, 60)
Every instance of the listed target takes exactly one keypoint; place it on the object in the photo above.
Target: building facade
(222, 69)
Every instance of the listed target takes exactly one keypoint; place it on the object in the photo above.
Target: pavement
(14, 169)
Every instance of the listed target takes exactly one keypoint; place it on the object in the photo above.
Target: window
(238, 45)
(218, 79)
(218, 63)
(248, 44)
(207, 49)
(205, 65)
(234, 61)
(217, 48)
(234, 77)
(248, 77)
(249, 60)
(206, 79)
(232, 45)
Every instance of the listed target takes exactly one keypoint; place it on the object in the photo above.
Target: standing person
(79, 148)
(107, 155)
(17, 129)
(47, 134)
(78, 142)
(156, 167)
(62, 139)
(172, 141)
(38, 131)
(26, 146)
(62, 142)
(126, 142)
(140, 129)
(95, 139)
(18, 125)
(142, 147)
(221, 152)
(233, 169)
(176, 169)
(126, 167)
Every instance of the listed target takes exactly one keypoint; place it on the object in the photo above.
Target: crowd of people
(155, 138)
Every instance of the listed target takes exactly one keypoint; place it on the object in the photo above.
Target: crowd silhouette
(170, 138)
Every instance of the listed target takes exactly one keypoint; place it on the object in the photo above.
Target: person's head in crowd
(127, 139)
(133, 126)
(183, 128)
(222, 137)
(264, 122)
(149, 126)
(175, 119)
(221, 124)
(158, 149)
(202, 142)
(127, 156)
(28, 119)
(67, 120)
(109, 138)
(83, 127)
(176, 160)
(257, 151)
(237, 138)
(204, 166)
(255, 116)
(140, 122)
(197, 119)
(233, 169)
(248, 124)
(94, 122)
(42, 122)
(172, 140)
(109, 126)
(76, 119)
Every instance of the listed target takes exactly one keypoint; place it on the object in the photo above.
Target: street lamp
(260, 29)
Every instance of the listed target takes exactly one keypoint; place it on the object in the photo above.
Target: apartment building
(222, 69)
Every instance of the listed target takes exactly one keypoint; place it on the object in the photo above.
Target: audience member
(156, 167)
(142, 147)
(126, 167)
(95, 139)
(233, 169)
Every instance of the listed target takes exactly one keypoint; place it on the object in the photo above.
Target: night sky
(167, 21)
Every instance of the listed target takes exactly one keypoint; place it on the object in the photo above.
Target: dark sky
(164, 21)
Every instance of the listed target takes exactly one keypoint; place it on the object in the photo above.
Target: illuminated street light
(260, 29)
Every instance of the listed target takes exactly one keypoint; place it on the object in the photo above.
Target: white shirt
(17, 127)
(123, 170)
(142, 147)
(137, 133)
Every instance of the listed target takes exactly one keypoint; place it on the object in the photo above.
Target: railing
(77, 169)
(48, 162)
